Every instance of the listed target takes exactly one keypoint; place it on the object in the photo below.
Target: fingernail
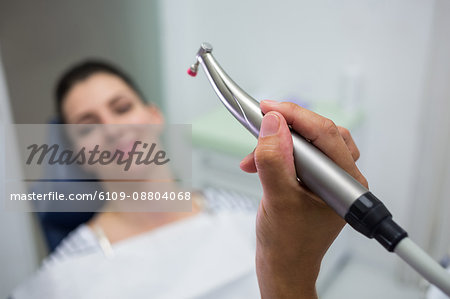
(270, 125)
(270, 102)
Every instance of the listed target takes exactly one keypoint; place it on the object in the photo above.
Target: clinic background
(380, 67)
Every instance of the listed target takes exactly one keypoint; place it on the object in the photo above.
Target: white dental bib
(205, 256)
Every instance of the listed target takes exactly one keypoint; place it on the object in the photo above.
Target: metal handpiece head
(236, 100)
(204, 48)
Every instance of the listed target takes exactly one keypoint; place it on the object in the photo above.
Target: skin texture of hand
(294, 228)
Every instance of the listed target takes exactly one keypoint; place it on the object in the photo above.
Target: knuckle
(344, 132)
(329, 127)
(266, 156)
(292, 107)
(288, 104)
(363, 181)
(356, 153)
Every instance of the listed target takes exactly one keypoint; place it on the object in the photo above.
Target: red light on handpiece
(191, 72)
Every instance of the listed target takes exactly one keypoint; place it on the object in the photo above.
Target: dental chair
(57, 225)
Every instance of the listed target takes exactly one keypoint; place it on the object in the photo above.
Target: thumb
(274, 158)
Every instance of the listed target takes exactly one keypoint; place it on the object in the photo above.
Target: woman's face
(108, 101)
(104, 98)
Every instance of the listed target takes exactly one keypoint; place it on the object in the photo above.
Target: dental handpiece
(351, 200)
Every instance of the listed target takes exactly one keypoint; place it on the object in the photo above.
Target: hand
(294, 227)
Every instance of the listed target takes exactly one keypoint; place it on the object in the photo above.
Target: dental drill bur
(351, 200)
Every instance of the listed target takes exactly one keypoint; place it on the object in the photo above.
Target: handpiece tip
(191, 72)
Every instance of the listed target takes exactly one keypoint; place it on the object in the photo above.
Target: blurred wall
(40, 39)
(21, 245)
(430, 193)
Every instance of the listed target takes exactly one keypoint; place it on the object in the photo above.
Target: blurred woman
(140, 254)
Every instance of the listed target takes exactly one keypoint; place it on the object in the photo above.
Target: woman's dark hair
(82, 71)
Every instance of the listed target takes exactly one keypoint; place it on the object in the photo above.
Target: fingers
(322, 132)
(336, 142)
(273, 157)
(248, 163)
(351, 145)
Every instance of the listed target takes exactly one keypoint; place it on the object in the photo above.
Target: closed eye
(123, 108)
(120, 105)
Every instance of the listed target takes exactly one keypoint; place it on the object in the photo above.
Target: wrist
(278, 279)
